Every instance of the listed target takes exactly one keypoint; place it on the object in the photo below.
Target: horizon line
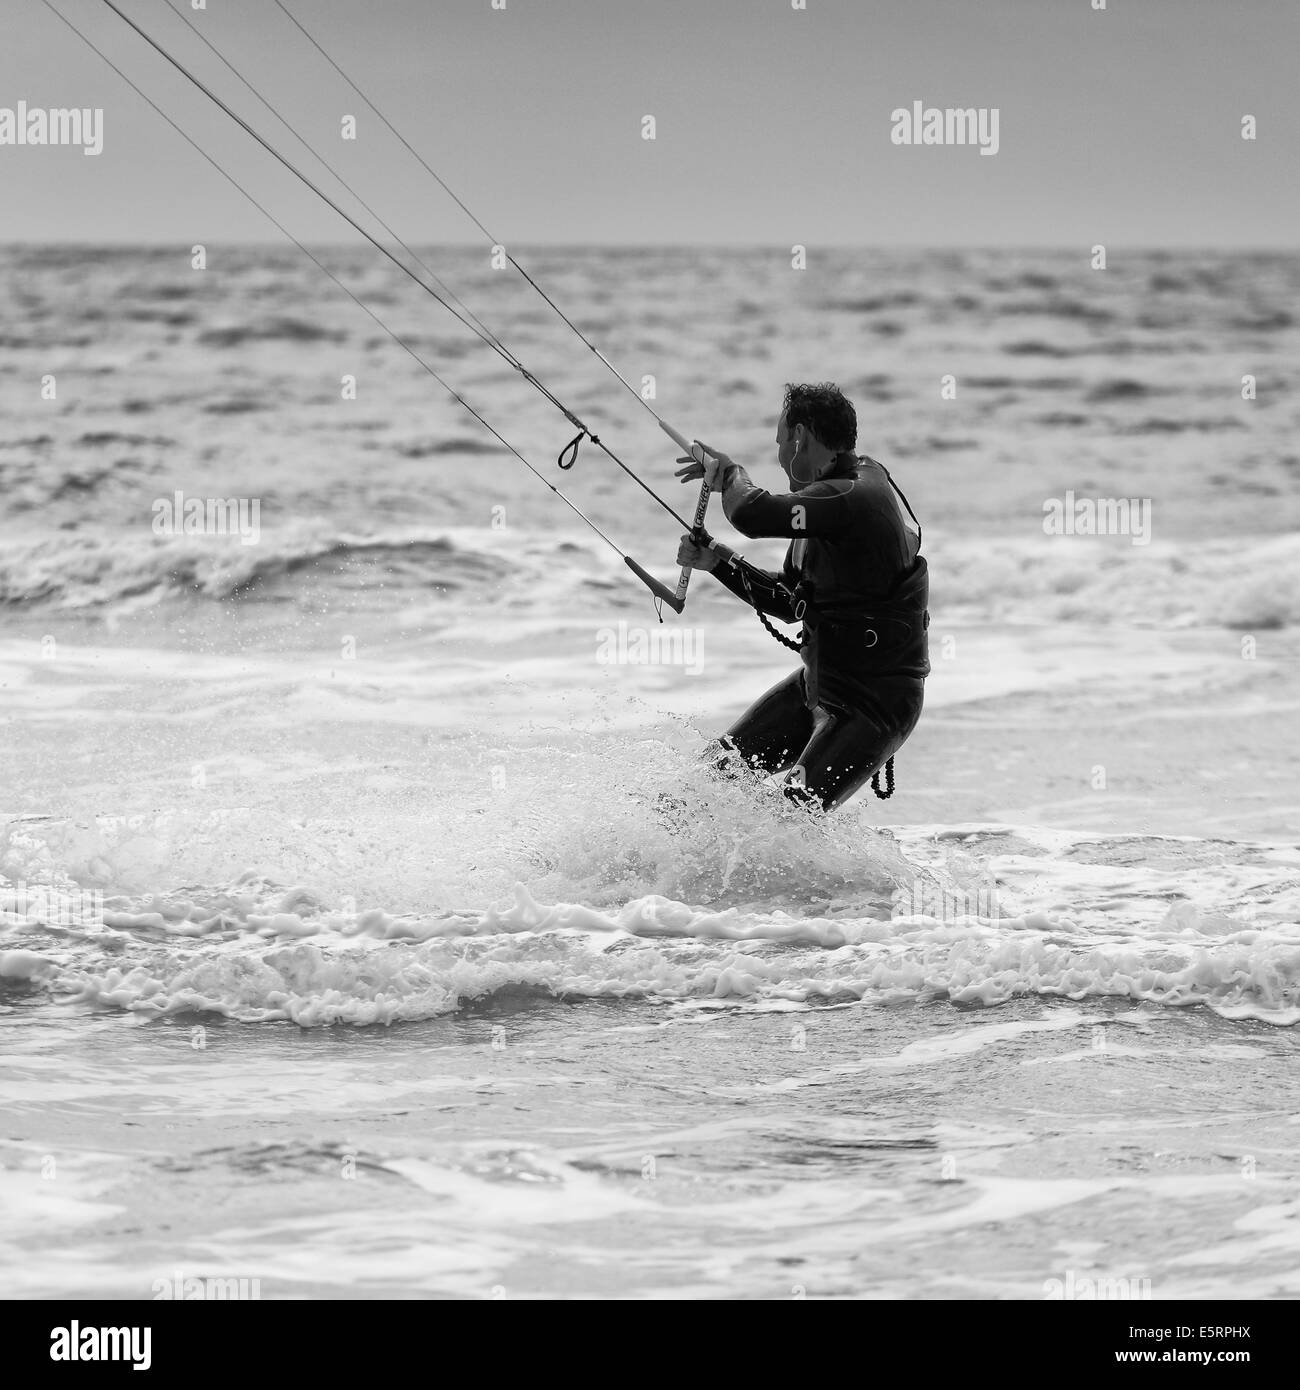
(118, 243)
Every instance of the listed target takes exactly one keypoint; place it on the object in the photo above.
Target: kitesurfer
(853, 576)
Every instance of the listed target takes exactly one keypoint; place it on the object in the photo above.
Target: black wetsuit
(855, 577)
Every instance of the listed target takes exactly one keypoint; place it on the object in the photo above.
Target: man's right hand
(698, 557)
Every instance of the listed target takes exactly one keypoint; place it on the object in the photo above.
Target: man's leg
(847, 747)
(770, 733)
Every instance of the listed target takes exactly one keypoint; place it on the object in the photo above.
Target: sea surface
(345, 945)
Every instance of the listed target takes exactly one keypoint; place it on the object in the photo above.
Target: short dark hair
(825, 411)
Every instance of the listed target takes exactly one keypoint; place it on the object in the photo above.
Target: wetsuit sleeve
(822, 509)
(772, 593)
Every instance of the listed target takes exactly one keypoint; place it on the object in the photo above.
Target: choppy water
(335, 853)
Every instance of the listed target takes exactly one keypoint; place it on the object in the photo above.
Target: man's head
(817, 423)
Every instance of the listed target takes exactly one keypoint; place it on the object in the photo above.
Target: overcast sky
(773, 124)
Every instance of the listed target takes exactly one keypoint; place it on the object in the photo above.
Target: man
(854, 577)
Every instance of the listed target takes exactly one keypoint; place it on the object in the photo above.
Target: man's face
(785, 447)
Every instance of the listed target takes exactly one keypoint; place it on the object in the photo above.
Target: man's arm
(821, 509)
(769, 593)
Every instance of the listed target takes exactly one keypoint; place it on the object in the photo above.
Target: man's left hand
(714, 468)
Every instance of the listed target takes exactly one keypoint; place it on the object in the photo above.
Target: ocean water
(342, 947)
